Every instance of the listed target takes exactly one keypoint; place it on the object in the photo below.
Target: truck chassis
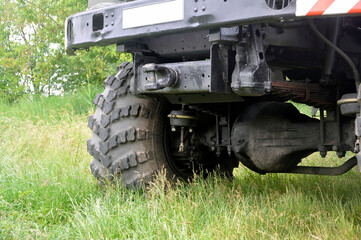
(210, 83)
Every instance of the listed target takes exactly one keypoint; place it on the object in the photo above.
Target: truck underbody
(225, 71)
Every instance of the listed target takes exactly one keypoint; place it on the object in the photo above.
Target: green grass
(51, 108)
(48, 192)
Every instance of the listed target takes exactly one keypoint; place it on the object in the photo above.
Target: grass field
(48, 192)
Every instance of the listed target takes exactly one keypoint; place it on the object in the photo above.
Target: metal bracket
(358, 156)
(251, 76)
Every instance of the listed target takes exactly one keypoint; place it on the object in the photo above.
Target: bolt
(112, 14)
(106, 25)
(213, 148)
(357, 145)
(112, 23)
(238, 58)
(174, 129)
(218, 153)
(191, 130)
(203, 8)
(229, 150)
(106, 15)
(195, 9)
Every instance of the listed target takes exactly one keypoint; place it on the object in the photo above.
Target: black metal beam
(328, 171)
(198, 15)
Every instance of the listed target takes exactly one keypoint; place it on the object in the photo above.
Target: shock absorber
(182, 120)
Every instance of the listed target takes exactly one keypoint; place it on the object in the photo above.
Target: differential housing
(274, 137)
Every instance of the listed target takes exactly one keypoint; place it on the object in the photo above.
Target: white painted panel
(304, 6)
(340, 6)
(163, 12)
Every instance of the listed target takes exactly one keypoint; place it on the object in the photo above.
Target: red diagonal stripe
(356, 8)
(320, 7)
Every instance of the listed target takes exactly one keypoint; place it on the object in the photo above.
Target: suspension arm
(329, 171)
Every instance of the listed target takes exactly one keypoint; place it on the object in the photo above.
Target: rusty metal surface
(312, 94)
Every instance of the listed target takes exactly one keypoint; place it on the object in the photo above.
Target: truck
(212, 83)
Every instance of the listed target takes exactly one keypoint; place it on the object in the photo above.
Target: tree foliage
(32, 56)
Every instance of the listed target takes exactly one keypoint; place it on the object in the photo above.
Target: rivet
(112, 14)
(106, 15)
(195, 9)
(203, 8)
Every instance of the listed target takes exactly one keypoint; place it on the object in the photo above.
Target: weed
(48, 192)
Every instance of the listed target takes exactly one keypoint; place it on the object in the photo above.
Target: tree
(32, 56)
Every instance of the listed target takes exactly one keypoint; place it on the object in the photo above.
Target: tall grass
(48, 192)
(51, 108)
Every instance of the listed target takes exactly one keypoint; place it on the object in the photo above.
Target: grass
(53, 108)
(48, 192)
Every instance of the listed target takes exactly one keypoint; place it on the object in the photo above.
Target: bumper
(146, 18)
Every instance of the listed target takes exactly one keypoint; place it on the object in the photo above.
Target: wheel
(131, 137)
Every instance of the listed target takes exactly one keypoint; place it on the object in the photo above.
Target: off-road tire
(124, 138)
(127, 142)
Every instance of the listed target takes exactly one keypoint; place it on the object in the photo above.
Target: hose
(356, 73)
